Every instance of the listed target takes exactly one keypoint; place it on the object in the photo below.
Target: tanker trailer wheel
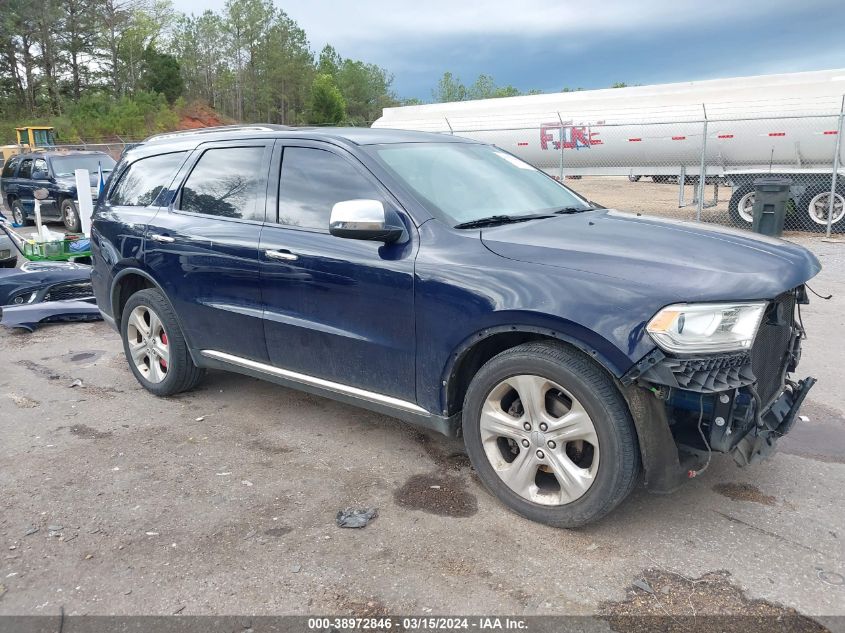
(741, 206)
(633, 178)
(816, 204)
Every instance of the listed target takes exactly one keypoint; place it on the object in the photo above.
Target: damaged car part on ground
(447, 283)
(46, 292)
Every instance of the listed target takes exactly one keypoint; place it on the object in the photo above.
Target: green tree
(161, 73)
(449, 88)
(327, 105)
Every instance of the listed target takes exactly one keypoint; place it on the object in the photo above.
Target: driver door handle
(281, 254)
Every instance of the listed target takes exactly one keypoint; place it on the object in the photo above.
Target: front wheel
(154, 345)
(70, 216)
(19, 215)
(550, 435)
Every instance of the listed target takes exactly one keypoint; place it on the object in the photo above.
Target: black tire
(182, 374)
(733, 206)
(660, 179)
(804, 217)
(70, 215)
(18, 213)
(619, 463)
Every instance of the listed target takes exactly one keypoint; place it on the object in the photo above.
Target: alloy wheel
(148, 344)
(540, 440)
(819, 208)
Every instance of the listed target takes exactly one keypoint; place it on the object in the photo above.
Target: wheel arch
(475, 350)
(129, 281)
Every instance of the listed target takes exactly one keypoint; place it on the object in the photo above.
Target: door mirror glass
(364, 220)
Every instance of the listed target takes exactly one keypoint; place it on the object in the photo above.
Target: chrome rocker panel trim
(402, 409)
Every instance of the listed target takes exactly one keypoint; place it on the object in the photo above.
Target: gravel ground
(223, 501)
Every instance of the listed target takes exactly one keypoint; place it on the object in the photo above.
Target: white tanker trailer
(781, 125)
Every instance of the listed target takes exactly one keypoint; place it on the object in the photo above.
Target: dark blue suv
(448, 283)
(55, 172)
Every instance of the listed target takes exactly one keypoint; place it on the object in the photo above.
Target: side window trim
(196, 155)
(347, 157)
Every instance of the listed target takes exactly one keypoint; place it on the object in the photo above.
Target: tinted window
(9, 169)
(67, 165)
(26, 168)
(225, 183)
(145, 179)
(312, 181)
(39, 165)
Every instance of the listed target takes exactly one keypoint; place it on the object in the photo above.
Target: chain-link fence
(694, 169)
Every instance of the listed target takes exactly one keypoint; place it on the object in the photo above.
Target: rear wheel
(816, 204)
(550, 435)
(634, 178)
(19, 215)
(154, 345)
(741, 206)
(70, 215)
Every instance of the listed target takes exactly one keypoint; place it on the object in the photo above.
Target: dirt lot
(223, 501)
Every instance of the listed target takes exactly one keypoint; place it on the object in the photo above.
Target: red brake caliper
(161, 361)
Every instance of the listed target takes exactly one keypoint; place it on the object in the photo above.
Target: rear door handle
(282, 254)
(162, 238)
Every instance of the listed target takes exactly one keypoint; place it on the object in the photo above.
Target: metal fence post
(560, 138)
(702, 172)
(835, 176)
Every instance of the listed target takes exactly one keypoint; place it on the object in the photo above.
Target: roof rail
(220, 128)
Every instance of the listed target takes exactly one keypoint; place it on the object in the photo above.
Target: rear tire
(567, 458)
(155, 346)
(70, 215)
(740, 207)
(813, 208)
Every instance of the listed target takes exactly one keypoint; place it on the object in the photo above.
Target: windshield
(67, 165)
(464, 182)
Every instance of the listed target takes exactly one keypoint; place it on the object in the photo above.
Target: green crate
(59, 250)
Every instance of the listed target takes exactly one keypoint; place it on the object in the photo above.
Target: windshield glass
(463, 182)
(66, 165)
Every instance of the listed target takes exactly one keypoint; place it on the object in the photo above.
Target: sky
(589, 44)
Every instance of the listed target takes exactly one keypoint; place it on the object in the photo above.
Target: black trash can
(770, 198)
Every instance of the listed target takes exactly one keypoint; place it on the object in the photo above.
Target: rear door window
(145, 181)
(226, 182)
(26, 168)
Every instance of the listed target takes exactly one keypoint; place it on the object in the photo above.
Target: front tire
(19, 215)
(550, 435)
(70, 215)
(155, 346)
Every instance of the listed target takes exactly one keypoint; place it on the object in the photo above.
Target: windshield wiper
(493, 220)
(568, 210)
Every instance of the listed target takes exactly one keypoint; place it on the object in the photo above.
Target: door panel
(338, 309)
(204, 248)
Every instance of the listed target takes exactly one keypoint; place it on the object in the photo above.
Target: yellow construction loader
(29, 138)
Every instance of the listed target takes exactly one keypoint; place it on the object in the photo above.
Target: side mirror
(40, 194)
(40, 175)
(363, 220)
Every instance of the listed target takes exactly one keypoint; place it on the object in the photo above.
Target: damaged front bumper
(30, 316)
(740, 403)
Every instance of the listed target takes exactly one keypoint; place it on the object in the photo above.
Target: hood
(69, 182)
(691, 261)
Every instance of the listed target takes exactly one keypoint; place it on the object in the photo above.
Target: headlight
(700, 328)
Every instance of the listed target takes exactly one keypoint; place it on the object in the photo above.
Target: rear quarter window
(9, 168)
(144, 181)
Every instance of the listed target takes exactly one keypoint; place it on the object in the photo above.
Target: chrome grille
(770, 353)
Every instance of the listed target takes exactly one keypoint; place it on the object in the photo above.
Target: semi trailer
(730, 130)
